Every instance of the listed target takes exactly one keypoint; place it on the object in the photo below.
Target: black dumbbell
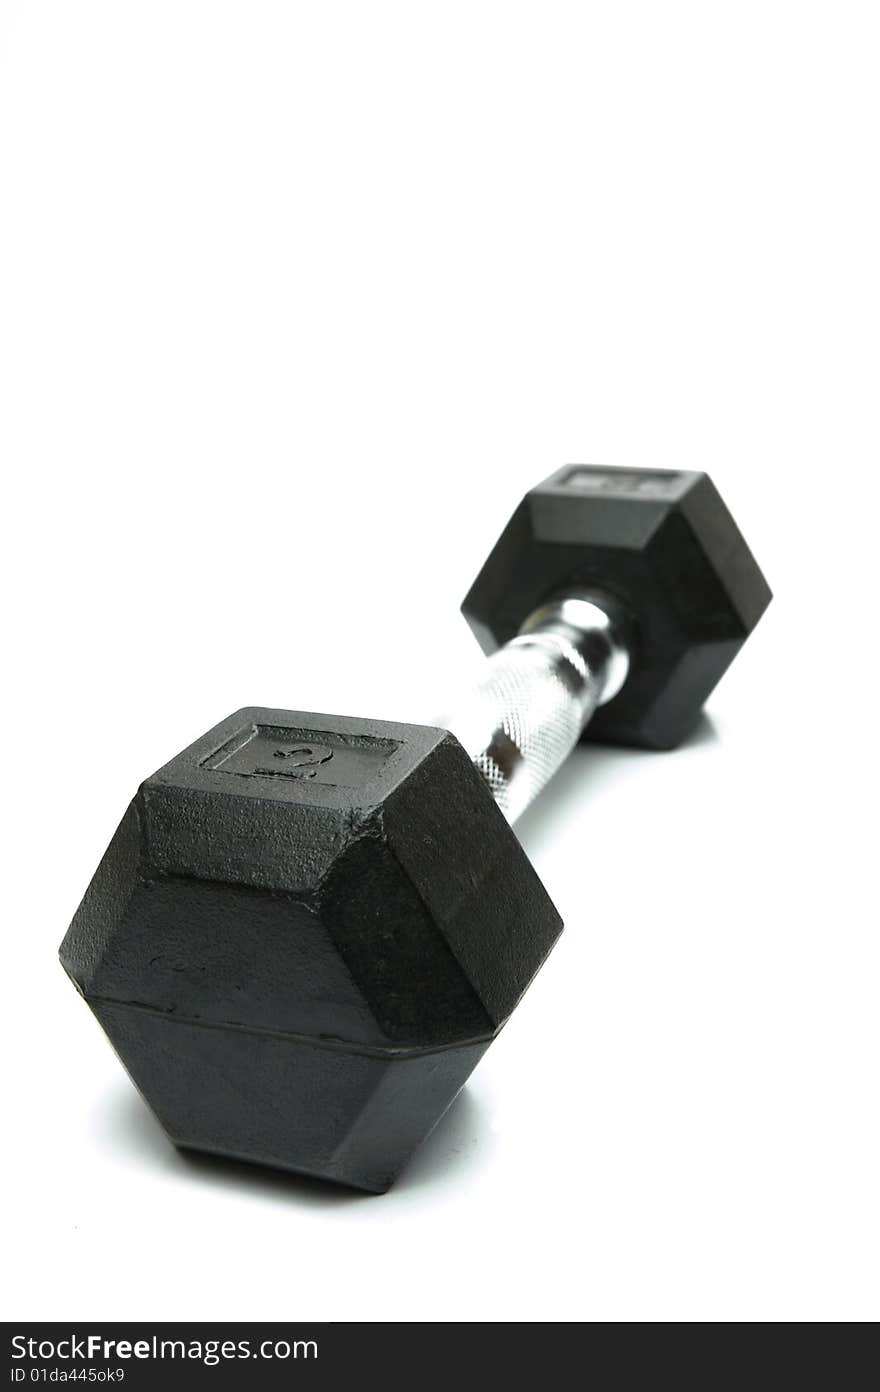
(307, 929)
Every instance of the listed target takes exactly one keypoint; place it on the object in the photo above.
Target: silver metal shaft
(537, 693)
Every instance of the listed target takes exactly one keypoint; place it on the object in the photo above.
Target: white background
(296, 300)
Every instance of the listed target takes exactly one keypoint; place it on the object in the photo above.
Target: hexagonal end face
(303, 936)
(661, 542)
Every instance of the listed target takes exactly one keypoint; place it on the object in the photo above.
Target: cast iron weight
(307, 929)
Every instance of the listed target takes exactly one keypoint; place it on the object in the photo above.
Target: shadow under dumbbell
(461, 1137)
(583, 776)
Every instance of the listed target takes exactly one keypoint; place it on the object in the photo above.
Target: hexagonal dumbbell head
(665, 546)
(304, 935)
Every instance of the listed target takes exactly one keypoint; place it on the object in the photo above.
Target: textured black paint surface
(302, 971)
(666, 546)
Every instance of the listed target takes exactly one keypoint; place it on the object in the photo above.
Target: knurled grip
(535, 696)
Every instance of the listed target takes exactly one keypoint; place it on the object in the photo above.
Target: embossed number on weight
(297, 761)
(285, 755)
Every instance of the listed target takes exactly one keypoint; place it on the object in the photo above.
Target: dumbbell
(308, 929)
